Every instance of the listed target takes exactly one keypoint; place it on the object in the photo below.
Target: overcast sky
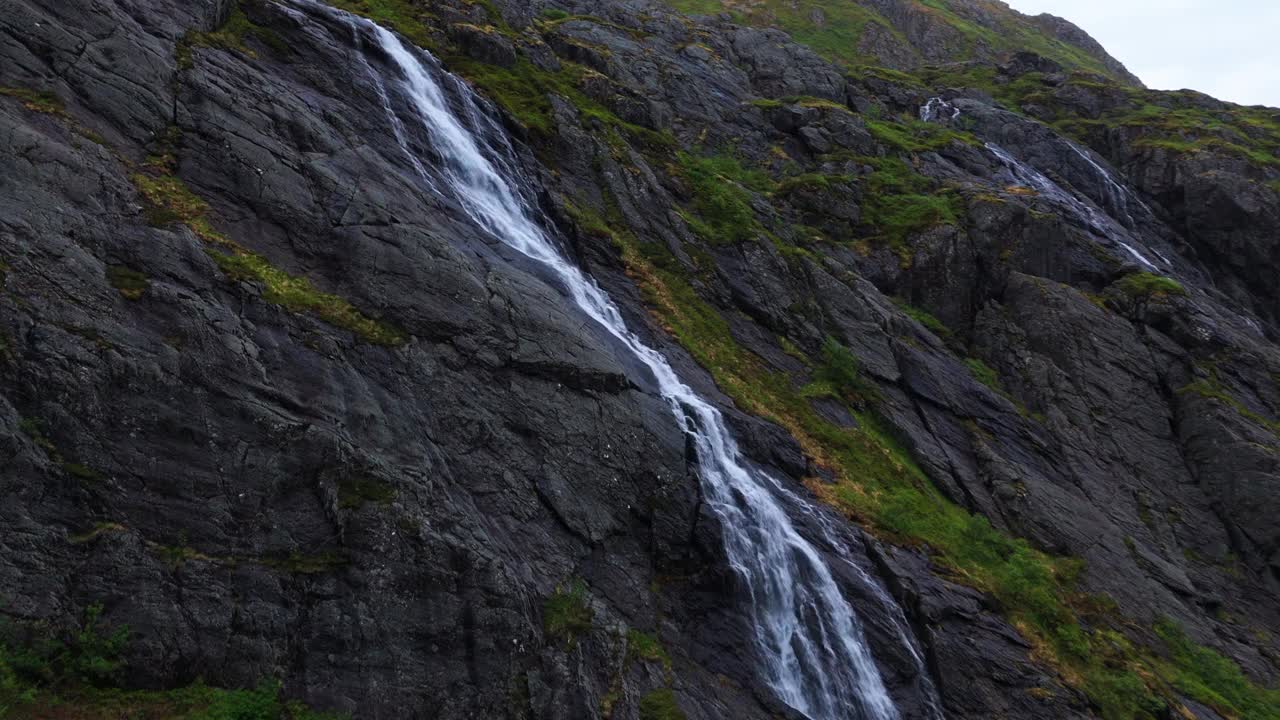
(1227, 48)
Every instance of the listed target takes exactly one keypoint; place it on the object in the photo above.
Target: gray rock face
(257, 492)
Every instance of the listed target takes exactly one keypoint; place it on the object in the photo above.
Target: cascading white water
(1036, 180)
(810, 640)
(938, 109)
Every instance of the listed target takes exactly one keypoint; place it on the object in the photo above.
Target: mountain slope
(285, 413)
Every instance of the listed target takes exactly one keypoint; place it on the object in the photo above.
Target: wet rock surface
(258, 493)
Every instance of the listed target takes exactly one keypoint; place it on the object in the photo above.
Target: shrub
(131, 283)
(840, 374)
(721, 201)
(647, 647)
(660, 705)
(1145, 286)
(566, 613)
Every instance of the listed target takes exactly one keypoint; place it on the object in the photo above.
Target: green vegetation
(877, 483)
(357, 489)
(41, 101)
(1148, 286)
(1212, 388)
(931, 323)
(131, 283)
(299, 563)
(646, 647)
(983, 373)
(913, 136)
(170, 201)
(46, 671)
(835, 30)
(1204, 674)
(840, 376)
(567, 614)
(720, 189)
(899, 202)
(660, 705)
(1180, 122)
(232, 37)
(404, 16)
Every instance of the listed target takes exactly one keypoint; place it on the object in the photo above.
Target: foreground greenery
(75, 673)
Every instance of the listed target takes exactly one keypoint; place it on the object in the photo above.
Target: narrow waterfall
(1036, 180)
(810, 641)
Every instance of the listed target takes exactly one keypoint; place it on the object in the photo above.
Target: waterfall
(1028, 176)
(810, 641)
(938, 109)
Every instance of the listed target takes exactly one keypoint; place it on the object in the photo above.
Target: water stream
(810, 641)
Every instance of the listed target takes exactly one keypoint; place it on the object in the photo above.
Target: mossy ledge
(169, 200)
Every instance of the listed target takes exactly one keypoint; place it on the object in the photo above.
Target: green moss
(81, 471)
(566, 614)
(839, 375)
(1214, 680)
(899, 202)
(720, 189)
(98, 530)
(404, 16)
(169, 201)
(1213, 389)
(131, 283)
(933, 324)
(554, 14)
(983, 373)
(48, 671)
(1147, 286)
(913, 136)
(42, 101)
(357, 489)
(660, 705)
(646, 647)
(233, 36)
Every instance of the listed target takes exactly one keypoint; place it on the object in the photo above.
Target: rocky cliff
(285, 431)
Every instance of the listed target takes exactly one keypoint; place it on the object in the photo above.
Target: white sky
(1227, 48)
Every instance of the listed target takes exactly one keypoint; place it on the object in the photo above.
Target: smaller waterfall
(938, 109)
(1100, 225)
(1115, 194)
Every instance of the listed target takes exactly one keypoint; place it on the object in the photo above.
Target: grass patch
(646, 647)
(983, 373)
(233, 36)
(931, 323)
(41, 101)
(720, 190)
(566, 614)
(97, 531)
(131, 283)
(356, 490)
(80, 471)
(74, 672)
(1213, 679)
(1148, 286)
(1213, 389)
(914, 136)
(899, 202)
(169, 201)
(660, 705)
